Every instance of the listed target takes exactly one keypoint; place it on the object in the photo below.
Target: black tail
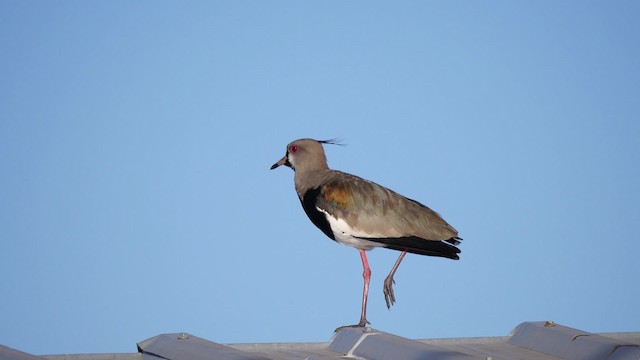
(421, 246)
(454, 240)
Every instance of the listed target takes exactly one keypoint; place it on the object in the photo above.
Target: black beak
(283, 161)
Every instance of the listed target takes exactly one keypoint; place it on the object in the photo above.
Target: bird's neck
(310, 179)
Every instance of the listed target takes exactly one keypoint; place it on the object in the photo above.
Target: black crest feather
(334, 141)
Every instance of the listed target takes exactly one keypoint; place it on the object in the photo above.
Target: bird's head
(305, 155)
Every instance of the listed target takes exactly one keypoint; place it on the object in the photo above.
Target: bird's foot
(389, 297)
(361, 324)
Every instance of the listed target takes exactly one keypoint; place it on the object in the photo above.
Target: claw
(361, 324)
(389, 296)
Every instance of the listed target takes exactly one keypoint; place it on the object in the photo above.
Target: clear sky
(136, 140)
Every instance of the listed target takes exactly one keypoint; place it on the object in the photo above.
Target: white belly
(346, 235)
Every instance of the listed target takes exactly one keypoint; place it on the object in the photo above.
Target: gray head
(305, 155)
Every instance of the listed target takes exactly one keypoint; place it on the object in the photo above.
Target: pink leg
(389, 297)
(366, 274)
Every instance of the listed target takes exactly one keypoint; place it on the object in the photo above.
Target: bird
(362, 214)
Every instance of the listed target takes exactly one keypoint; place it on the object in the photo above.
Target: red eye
(293, 149)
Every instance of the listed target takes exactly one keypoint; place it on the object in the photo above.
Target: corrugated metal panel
(528, 341)
(571, 344)
(187, 347)
(7, 353)
(370, 344)
(129, 356)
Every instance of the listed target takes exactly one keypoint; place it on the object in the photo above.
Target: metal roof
(528, 341)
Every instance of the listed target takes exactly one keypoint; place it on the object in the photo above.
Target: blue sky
(136, 139)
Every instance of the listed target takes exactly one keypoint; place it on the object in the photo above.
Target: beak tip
(283, 161)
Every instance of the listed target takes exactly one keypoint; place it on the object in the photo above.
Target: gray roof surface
(528, 341)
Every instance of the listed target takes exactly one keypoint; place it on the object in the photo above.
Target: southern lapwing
(362, 214)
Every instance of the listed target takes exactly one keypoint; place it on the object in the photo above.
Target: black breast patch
(317, 217)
